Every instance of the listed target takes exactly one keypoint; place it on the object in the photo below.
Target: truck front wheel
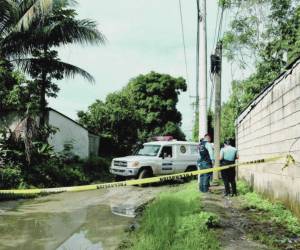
(144, 173)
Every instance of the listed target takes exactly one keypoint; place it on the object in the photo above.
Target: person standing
(205, 161)
(228, 155)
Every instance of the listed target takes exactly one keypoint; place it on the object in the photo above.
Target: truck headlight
(134, 164)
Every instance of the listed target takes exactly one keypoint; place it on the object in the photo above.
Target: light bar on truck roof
(163, 138)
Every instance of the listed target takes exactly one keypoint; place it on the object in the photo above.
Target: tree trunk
(43, 83)
(43, 103)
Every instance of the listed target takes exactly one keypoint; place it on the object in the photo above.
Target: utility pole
(203, 72)
(216, 67)
(197, 65)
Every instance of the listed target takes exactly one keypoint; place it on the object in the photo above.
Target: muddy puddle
(85, 220)
(81, 220)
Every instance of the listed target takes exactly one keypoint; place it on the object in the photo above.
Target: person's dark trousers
(228, 176)
(204, 178)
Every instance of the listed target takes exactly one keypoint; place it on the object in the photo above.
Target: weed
(276, 211)
(175, 221)
(243, 187)
(282, 225)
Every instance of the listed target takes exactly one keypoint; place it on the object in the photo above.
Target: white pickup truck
(157, 158)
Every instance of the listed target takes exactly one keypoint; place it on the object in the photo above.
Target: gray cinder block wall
(270, 126)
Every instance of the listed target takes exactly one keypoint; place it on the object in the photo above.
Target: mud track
(231, 233)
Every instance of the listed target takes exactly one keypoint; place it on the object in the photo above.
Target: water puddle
(126, 210)
(61, 222)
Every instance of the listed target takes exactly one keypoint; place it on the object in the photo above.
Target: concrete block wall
(270, 126)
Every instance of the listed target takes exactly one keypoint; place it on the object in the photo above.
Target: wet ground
(243, 229)
(84, 220)
(98, 219)
(231, 233)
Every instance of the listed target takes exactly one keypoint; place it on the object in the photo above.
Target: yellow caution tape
(140, 181)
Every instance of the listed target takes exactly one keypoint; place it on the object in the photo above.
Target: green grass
(276, 211)
(175, 221)
(275, 225)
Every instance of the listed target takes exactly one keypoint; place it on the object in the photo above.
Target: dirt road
(82, 220)
(91, 220)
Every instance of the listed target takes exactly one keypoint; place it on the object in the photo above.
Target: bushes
(55, 172)
(10, 176)
(97, 168)
(45, 167)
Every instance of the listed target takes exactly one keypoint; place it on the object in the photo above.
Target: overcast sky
(142, 36)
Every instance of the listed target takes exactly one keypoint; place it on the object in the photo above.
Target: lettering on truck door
(166, 157)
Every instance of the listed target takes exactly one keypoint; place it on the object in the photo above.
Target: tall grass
(175, 221)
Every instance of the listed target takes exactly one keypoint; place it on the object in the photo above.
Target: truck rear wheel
(190, 168)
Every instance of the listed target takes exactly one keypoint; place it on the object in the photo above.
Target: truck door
(166, 156)
(181, 159)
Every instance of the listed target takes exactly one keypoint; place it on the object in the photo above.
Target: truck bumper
(124, 171)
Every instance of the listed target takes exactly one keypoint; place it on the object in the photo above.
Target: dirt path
(231, 233)
(79, 220)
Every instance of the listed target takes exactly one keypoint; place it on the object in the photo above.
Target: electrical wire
(183, 41)
(215, 33)
(184, 51)
(220, 24)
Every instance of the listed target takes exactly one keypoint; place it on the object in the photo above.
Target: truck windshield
(149, 150)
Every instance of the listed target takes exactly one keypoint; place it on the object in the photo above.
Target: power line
(183, 41)
(216, 25)
(220, 24)
(184, 51)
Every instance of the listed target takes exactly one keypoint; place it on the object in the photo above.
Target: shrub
(56, 172)
(97, 168)
(73, 175)
(10, 176)
(243, 187)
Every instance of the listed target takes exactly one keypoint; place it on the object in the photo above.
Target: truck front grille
(120, 164)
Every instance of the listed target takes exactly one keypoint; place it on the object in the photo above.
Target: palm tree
(15, 15)
(56, 28)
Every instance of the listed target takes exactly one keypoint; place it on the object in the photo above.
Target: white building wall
(270, 128)
(68, 132)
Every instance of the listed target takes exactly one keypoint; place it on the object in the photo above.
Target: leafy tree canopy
(265, 33)
(146, 107)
